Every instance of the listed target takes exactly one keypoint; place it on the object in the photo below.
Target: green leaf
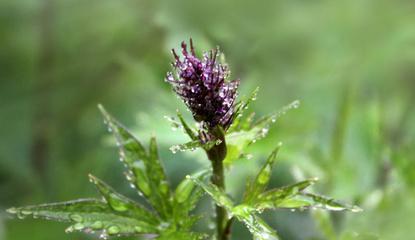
(260, 183)
(186, 127)
(193, 145)
(242, 212)
(185, 188)
(217, 195)
(238, 139)
(240, 107)
(157, 177)
(275, 198)
(258, 228)
(145, 170)
(292, 197)
(122, 204)
(309, 200)
(187, 195)
(87, 214)
(181, 235)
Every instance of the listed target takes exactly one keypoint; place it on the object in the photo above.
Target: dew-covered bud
(204, 86)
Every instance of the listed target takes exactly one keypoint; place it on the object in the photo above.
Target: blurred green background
(350, 63)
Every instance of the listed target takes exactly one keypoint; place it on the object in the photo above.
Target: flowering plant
(223, 131)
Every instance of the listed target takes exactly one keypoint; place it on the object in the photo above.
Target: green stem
(216, 155)
(218, 178)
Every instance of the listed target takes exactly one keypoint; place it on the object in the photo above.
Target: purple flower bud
(204, 87)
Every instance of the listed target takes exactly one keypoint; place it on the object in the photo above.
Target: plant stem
(216, 155)
(218, 179)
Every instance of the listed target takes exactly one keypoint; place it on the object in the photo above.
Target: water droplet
(12, 210)
(26, 212)
(97, 225)
(163, 225)
(69, 229)
(20, 215)
(78, 226)
(103, 235)
(129, 177)
(117, 204)
(76, 217)
(174, 149)
(356, 209)
(113, 230)
(295, 104)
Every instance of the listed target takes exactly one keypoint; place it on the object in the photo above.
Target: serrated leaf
(293, 197)
(243, 212)
(193, 145)
(241, 107)
(188, 130)
(239, 139)
(275, 198)
(187, 195)
(185, 188)
(181, 235)
(258, 228)
(122, 204)
(309, 200)
(260, 183)
(157, 177)
(218, 196)
(145, 170)
(87, 214)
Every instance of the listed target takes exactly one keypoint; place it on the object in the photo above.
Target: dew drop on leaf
(116, 204)
(76, 217)
(138, 229)
(78, 226)
(97, 225)
(12, 210)
(26, 212)
(113, 230)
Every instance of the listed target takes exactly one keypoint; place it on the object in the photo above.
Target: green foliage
(256, 199)
(88, 215)
(170, 217)
(121, 216)
(245, 131)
